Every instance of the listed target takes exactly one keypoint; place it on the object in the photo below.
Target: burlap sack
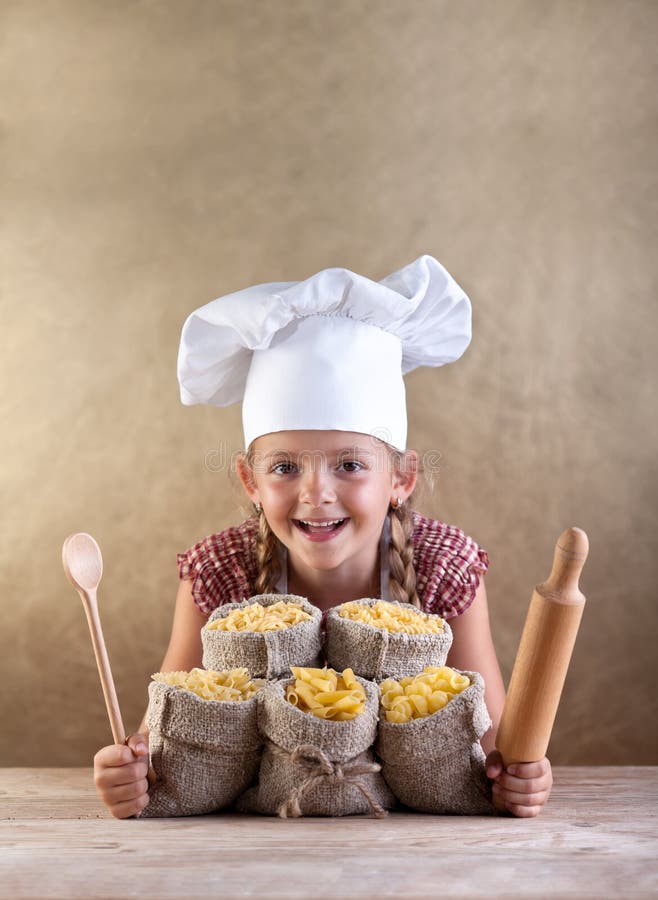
(316, 767)
(267, 654)
(204, 752)
(436, 764)
(375, 653)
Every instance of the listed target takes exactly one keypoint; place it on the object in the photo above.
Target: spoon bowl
(82, 561)
(83, 565)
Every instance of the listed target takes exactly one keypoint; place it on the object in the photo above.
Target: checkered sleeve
(222, 567)
(448, 567)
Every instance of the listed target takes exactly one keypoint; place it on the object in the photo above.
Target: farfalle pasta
(204, 743)
(229, 685)
(414, 697)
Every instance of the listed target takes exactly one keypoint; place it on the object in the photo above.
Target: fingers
(494, 769)
(520, 797)
(494, 764)
(110, 777)
(121, 754)
(122, 793)
(538, 769)
(114, 755)
(138, 743)
(523, 788)
(120, 776)
(523, 812)
(129, 808)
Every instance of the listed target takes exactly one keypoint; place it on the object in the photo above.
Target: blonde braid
(267, 555)
(402, 575)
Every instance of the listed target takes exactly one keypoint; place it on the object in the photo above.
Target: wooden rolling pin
(549, 634)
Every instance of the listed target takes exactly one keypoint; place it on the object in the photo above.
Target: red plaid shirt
(448, 565)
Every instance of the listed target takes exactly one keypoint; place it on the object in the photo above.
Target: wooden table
(596, 838)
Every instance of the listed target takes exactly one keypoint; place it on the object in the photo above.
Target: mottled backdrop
(158, 154)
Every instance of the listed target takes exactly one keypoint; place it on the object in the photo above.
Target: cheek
(372, 499)
(275, 495)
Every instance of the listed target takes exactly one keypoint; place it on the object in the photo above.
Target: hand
(522, 788)
(120, 776)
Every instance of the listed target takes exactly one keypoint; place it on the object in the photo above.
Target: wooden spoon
(83, 564)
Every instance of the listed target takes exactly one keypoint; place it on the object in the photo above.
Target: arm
(120, 771)
(524, 788)
(472, 649)
(185, 650)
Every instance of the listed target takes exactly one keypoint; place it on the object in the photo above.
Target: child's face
(343, 479)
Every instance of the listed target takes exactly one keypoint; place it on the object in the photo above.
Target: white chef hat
(325, 353)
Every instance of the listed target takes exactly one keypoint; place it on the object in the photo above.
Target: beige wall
(158, 154)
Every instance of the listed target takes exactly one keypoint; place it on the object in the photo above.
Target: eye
(283, 468)
(351, 465)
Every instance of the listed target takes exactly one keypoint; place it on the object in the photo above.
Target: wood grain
(542, 660)
(595, 839)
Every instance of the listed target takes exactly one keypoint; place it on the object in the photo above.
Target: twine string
(319, 767)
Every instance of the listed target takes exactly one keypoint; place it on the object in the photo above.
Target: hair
(267, 555)
(402, 574)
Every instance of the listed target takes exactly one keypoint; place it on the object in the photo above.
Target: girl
(318, 366)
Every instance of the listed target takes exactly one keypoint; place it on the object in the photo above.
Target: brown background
(158, 154)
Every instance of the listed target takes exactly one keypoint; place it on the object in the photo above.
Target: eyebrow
(342, 452)
(358, 450)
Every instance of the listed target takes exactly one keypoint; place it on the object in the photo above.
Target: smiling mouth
(308, 526)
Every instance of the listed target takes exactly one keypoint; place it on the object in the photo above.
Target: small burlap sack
(316, 767)
(436, 764)
(204, 752)
(375, 653)
(267, 654)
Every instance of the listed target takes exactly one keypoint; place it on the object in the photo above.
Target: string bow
(319, 767)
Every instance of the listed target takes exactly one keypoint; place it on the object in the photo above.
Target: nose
(316, 488)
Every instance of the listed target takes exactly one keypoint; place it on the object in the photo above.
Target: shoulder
(448, 566)
(432, 537)
(222, 566)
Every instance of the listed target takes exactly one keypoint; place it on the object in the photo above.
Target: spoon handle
(111, 702)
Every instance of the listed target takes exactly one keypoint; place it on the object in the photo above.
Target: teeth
(321, 524)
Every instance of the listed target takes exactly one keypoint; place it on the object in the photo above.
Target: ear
(404, 478)
(246, 476)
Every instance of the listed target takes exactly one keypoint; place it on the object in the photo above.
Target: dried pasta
(230, 684)
(421, 695)
(392, 617)
(326, 693)
(256, 617)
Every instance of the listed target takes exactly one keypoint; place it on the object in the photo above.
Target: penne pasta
(326, 694)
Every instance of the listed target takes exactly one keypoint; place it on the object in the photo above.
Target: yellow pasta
(327, 694)
(421, 695)
(392, 617)
(256, 617)
(230, 684)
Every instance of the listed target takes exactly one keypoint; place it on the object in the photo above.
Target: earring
(259, 508)
(398, 503)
